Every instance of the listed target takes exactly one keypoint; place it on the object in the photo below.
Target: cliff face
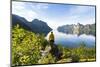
(77, 29)
(36, 26)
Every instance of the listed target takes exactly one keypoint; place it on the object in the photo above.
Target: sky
(55, 14)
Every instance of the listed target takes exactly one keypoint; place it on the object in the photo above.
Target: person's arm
(53, 37)
(49, 37)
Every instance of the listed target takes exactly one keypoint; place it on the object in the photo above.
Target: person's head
(51, 32)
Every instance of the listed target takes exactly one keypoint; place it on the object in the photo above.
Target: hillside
(29, 48)
(36, 26)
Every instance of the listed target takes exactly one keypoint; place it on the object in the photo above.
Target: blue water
(73, 40)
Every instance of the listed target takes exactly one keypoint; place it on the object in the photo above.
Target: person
(54, 49)
(51, 38)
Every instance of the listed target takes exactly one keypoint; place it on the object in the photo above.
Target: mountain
(68, 29)
(21, 21)
(40, 26)
(36, 25)
(78, 29)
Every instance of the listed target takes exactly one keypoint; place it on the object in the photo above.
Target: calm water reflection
(73, 40)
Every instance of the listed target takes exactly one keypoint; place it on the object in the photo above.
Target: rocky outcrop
(78, 29)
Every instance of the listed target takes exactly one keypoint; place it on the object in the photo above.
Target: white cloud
(30, 15)
(28, 10)
(38, 10)
(41, 6)
(21, 9)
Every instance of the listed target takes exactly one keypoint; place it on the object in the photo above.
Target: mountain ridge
(36, 25)
(78, 29)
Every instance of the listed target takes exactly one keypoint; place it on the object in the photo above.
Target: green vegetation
(30, 48)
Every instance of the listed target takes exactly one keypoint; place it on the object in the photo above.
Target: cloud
(41, 6)
(28, 10)
(71, 14)
(30, 15)
(20, 8)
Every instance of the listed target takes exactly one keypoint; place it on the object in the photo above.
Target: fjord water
(73, 40)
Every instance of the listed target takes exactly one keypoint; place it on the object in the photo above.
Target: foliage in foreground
(27, 49)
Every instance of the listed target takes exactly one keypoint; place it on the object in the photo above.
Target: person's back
(51, 38)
